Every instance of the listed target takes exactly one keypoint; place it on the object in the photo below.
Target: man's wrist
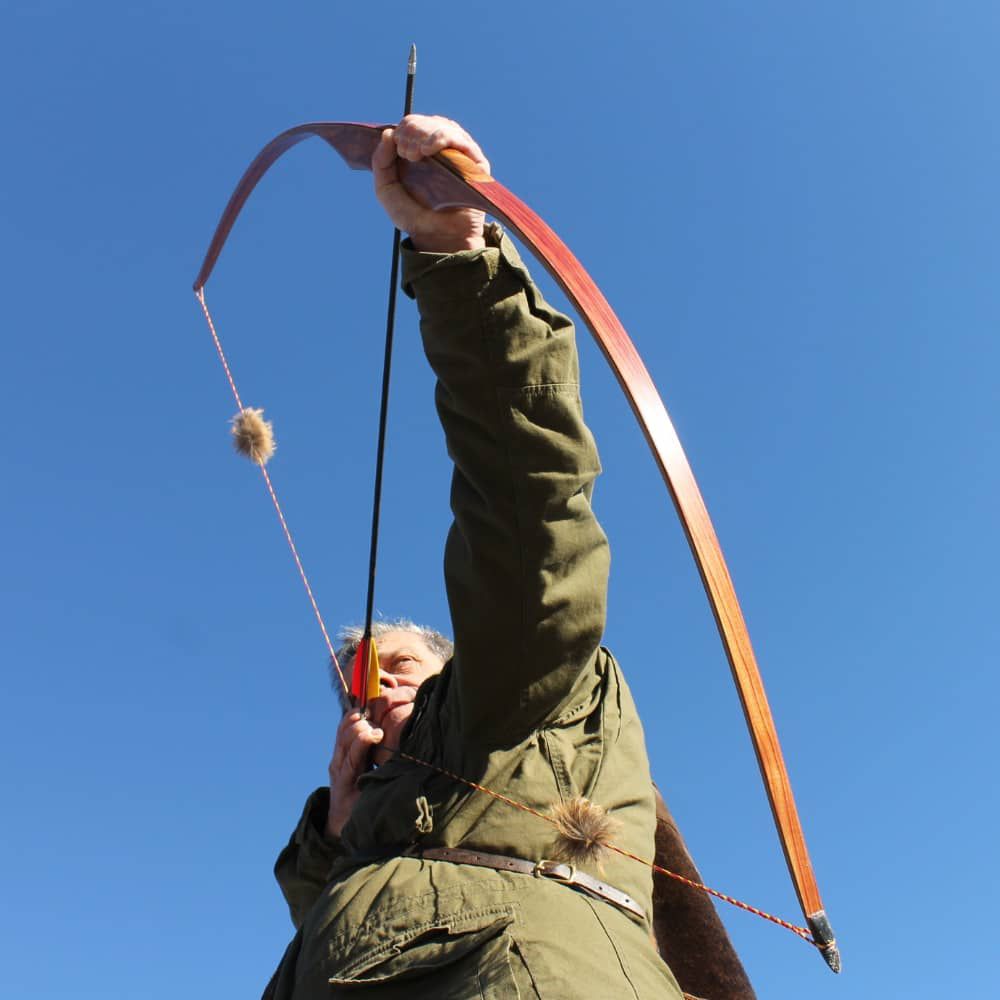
(446, 244)
(436, 273)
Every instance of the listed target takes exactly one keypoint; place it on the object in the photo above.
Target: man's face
(405, 662)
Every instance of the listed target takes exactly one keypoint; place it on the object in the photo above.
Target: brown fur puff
(253, 436)
(585, 831)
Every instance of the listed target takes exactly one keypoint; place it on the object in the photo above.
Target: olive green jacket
(530, 705)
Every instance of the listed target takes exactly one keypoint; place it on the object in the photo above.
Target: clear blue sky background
(793, 208)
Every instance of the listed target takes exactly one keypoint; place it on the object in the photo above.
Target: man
(404, 881)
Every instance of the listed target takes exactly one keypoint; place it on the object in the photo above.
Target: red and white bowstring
(200, 295)
(802, 932)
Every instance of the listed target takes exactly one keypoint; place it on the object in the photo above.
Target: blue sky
(794, 210)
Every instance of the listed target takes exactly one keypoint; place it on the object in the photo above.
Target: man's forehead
(397, 641)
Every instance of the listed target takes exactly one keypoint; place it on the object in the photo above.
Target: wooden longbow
(451, 180)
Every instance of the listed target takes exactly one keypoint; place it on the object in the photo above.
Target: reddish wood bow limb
(452, 180)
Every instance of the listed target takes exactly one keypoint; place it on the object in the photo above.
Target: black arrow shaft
(383, 417)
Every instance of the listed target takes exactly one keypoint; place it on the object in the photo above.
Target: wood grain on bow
(451, 180)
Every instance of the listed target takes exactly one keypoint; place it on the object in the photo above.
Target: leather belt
(558, 871)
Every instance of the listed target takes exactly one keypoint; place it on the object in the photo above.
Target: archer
(402, 880)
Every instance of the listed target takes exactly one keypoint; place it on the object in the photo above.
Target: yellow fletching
(374, 688)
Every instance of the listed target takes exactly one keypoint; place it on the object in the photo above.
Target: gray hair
(350, 636)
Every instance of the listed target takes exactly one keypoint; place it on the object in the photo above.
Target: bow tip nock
(411, 65)
(823, 935)
(831, 954)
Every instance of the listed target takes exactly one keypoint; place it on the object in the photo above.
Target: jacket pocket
(466, 957)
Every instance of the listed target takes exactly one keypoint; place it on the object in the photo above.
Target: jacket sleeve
(526, 562)
(303, 867)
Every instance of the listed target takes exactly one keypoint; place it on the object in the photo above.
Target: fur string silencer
(253, 436)
(584, 831)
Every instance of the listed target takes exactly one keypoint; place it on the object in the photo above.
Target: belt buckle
(558, 871)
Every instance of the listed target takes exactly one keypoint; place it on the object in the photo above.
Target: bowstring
(200, 295)
(801, 932)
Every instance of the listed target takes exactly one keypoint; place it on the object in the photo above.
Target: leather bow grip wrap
(451, 179)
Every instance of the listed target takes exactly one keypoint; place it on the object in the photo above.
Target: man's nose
(388, 680)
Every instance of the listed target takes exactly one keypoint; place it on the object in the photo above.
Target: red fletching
(366, 680)
(359, 677)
